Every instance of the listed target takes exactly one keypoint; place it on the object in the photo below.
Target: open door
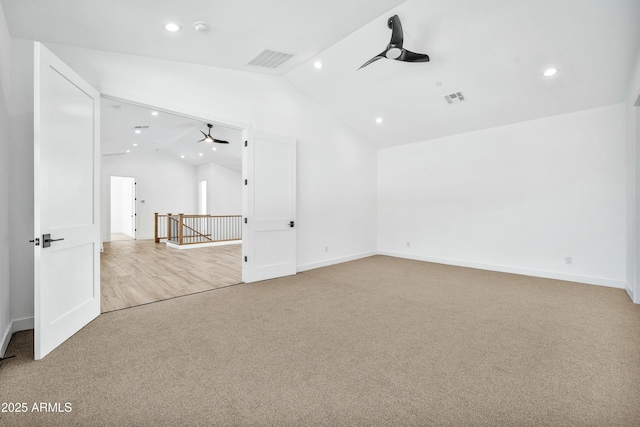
(269, 206)
(66, 190)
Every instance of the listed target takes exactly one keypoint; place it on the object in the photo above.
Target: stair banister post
(156, 228)
(180, 229)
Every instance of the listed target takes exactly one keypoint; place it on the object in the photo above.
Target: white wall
(5, 138)
(164, 185)
(21, 187)
(224, 189)
(336, 181)
(336, 170)
(516, 198)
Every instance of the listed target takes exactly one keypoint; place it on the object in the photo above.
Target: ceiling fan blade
(220, 141)
(203, 134)
(409, 56)
(374, 59)
(397, 37)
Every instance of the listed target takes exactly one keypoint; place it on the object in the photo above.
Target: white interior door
(66, 187)
(269, 206)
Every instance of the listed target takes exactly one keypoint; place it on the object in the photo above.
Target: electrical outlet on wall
(568, 260)
(326, 248)
(408, 244)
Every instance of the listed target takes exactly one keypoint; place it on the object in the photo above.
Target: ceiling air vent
(141, 127)
(454, 98)
(114, 154)
(270, 59)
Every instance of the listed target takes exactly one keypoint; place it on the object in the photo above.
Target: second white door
(269, 208)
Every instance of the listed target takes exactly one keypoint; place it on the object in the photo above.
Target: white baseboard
(333, 261)
(108, 240)
(22, 325)
(4, 340)
(202, 245)
(611, 283)
(629, 291)
(15, 326)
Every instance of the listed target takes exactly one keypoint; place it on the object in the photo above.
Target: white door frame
(635, 223)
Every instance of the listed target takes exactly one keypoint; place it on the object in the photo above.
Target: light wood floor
(141, 271)
(120, 236)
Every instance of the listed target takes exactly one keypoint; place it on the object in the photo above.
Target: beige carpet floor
(374, 342)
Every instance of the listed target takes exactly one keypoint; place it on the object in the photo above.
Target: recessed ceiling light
(135, 145)
(317, 64)
(154, 113)
(213, 148)
(128, 151)
(379, 120)
(200, 154)
(182, 156)
(137, 131)
(171, 27)
(550, 72)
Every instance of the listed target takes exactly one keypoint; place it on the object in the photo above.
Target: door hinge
(245, 259)
(245, 221)
(245, 144)
(245, 182)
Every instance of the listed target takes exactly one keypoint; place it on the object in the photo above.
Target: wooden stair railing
(184, 229)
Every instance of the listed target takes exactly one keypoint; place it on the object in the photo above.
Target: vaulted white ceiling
(238, 29)
(493, 51)
(167, 134)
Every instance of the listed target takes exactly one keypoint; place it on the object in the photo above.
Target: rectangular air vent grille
(270, 58)
(141, 127)
(454, 98)
(113, 154)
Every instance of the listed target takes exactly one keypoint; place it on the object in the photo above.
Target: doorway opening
(123, 208)
(266, 160)
(202, 197)
(176, 173)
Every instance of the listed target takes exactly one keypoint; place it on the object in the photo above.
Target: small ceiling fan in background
(394, 49)
(209, 138)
